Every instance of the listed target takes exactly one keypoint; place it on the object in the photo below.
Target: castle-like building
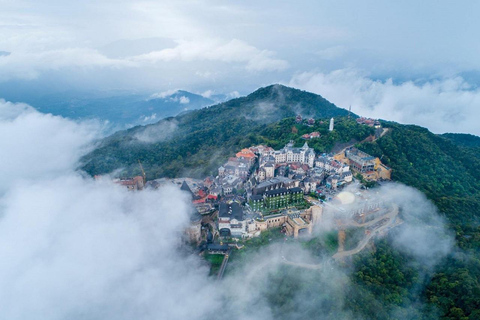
(290, 154)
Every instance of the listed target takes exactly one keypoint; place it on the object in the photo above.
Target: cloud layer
(72, 247)
(39, 145)
(447, 105)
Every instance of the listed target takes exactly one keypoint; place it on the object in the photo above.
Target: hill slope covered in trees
(198, 141)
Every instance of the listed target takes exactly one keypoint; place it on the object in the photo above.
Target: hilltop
(198, 140)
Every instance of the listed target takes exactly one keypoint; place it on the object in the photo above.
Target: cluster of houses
(261, 188)
(312, 135)
(309, 122)
(369, 122)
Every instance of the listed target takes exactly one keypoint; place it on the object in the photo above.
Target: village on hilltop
(260, 188)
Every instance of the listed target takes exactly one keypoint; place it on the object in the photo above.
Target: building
(383, 172)
(282, 197)
(274, 183)
(313, 135)
(332, 181)
(229, 183)
(369, 122)
(257, 202)
(294, 221)
(360, 161)
(330, 127)
(194, 231)
(246, 154)
(231, 220)
(330, 164)
(290, 154)
(136, 183)
(269, 170)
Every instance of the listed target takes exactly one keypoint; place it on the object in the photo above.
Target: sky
(412, 62)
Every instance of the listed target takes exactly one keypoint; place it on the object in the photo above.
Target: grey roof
(256, 197)
(186, 188)
(346, 174)
(275, 192)
(231, 210)
(217, 247)
(274, 181)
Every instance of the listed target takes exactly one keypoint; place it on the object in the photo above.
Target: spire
(186, 188)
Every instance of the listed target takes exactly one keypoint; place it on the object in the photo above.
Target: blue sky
(390, 60)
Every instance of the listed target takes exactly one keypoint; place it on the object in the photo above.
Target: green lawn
(215, 261)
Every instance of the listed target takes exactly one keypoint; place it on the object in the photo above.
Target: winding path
(392, 219)
(391, 216)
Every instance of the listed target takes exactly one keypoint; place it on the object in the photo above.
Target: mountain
(445, 167)
(119, 109)
(196, 142)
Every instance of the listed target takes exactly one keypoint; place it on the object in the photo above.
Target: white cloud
(234, 51)
(150, 118)
(74, 247)
(184, 100)
(163, 94)
(446, 105)
(29, 65)
(233, 94)
(207, 94)
(160, 131)
(36, 145)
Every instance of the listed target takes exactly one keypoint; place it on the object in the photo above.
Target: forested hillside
(447, 169)
(197, 142)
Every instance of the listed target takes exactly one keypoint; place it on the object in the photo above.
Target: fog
(72, 247)
(160, 131)
(75, 248)
(448, 104)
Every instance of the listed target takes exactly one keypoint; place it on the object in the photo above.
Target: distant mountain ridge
(119, 109)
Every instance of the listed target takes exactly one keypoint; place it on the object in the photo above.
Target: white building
(269, 170)
(290, 154)
(330, 128)
(231, 221)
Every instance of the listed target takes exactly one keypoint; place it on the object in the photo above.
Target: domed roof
(345, 197)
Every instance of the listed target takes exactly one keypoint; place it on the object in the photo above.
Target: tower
(144, 176)
(330, 128)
